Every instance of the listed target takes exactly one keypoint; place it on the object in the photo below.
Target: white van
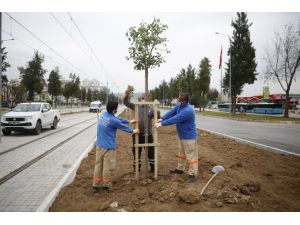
(95, 106)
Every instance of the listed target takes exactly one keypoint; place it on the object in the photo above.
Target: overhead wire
(51, 49)
(70, 35)
(29, 46)
(89, 46)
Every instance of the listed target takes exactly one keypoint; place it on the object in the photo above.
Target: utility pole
(0, 75)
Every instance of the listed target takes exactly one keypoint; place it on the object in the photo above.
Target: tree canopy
(242, 56)
(32, 76)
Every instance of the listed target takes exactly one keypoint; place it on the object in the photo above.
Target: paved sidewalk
(35, 188)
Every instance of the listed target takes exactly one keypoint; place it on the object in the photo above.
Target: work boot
(96, 189)
(191, 179)
(177, 171)
(105, 189)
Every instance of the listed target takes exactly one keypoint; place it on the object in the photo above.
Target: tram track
(41, 156)
(47, 135)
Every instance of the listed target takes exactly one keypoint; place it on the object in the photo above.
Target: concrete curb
(67, 179)
(251, 143)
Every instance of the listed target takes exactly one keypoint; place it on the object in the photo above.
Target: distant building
(92, 84)
(275, 98)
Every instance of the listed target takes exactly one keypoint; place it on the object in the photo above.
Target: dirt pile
(254, 180)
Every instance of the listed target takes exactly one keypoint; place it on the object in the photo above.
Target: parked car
(30, 117)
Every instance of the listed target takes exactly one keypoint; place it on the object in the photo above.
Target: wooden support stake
(155, 141)
(148, 145)
(136, 115)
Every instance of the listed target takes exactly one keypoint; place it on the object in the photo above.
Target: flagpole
(221, 84)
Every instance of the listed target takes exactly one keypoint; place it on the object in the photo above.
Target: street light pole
(230, 102)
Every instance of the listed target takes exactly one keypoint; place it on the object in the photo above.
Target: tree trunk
(233, 105)
(287, 104)
(30, 95)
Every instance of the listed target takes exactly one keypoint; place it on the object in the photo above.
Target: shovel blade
(218, 169)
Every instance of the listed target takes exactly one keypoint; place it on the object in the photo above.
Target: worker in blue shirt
(106, 145)
(184, 117)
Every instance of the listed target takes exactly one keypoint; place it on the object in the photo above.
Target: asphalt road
(276, 135)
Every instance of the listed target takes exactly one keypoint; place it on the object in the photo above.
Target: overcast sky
(191, 37)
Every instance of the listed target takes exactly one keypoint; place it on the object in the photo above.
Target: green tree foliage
(54, 84)
(243, 65)
(212, 94)
(5, 64)
(83, 94)
(89, 95)
(203, 82)
(147, 44)
(283, 59)
(188, 80)
(32, 76)
(72, 88)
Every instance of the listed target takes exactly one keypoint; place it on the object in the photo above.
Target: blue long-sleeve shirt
(184, 118)
(107, 129)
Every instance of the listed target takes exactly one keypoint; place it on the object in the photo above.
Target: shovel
(215, 170)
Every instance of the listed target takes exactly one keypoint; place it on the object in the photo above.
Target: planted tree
(283, 60)
(54, 84)
(32, 76)
(147, 44)
(242, 56)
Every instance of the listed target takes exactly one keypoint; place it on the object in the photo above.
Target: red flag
(220, 59)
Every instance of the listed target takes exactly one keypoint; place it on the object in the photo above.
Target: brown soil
(254, 180)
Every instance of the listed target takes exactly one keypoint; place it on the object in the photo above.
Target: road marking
(251, 143)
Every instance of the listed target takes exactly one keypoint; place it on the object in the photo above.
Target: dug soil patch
(254, 180)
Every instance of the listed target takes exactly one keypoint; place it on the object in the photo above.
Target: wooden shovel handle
(210, 180)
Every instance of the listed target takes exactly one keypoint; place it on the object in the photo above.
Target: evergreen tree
(5, 64)
(204, 74)
(242, 53)
(89, 95)
(54, 84)
(32, 76)
(83, 94)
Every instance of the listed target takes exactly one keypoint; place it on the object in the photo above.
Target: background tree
(95, 95)
(212, 94)
(16, 92)
(283, 60)
(243, 65)
(83, 94)
(204, 74)
(5, 65)
(54, 84)
(67, 91)
(89, 95)
(32, 76)
(75, 86)
(147, 44)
